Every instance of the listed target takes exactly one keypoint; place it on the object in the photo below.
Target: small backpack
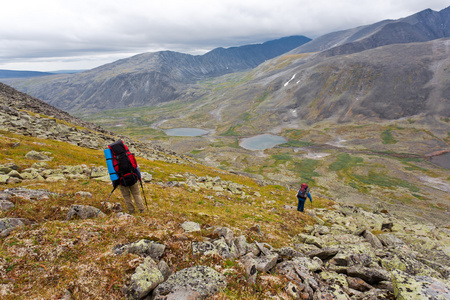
(303, 191)
(124, 163)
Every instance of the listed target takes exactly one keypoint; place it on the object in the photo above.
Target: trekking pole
(105, 201)
(142, 187)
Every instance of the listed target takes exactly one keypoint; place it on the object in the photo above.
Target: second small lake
(185, 132)
(262, 142)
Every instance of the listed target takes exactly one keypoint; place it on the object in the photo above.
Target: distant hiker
(128, 174)
(302, 193)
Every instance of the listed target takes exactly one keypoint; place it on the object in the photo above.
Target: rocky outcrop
(345, 259)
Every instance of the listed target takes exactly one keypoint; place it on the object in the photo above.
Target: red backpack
(124, 163)
(303, 191)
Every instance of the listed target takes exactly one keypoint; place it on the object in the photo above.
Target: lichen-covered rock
(418, 287)
(145, 278)
(408, 263)
(391, 240)
(202, 279)
(83, 212)
(142, 248)
(333, 291)
(204, 248)
(97, 172)
(4, 179)
(37, 155)
(222, 248)
(369, 275)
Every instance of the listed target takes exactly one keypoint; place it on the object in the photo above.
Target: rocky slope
(204, 237)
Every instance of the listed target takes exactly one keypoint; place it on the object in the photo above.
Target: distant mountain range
(389, 69)
(22, 74)
(28, 74)
(149, 78)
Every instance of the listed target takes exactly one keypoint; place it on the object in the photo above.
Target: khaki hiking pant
(127, 191)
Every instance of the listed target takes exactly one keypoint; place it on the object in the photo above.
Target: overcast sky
(50, 35)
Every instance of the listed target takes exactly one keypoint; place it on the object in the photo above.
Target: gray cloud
(49, 34)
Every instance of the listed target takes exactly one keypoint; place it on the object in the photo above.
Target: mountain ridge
(149, 78)
(420, 27)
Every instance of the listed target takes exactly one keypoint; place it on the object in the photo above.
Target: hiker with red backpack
(128, 176)
(302, 193)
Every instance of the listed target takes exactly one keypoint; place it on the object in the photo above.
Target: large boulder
(145, 278)
(201, 279)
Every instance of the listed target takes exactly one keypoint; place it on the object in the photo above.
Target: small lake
(442, 160)
(186, 132)
(262, 142)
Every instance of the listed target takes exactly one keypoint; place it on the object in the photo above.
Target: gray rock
(15, 174)
(146, 177)
(250, 265)
(142, 248)
(145, 278)
(34, 155)
(240, 243)
(190, 226)
(419, 287)
(226, 233)
(164, 268)
(98, 172)
(202, 279)
(222, 248)
(307, 239)
(7, 223)
(83, 194)
(312, 265)
(180, 294)
(369, 275)
(4, 179)
(204, 248)
(286, 253)
(83, 212)
(372, 239)
(6, 205)
(332, 291)
(324, 254)
(390, 240)
(266, 263)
